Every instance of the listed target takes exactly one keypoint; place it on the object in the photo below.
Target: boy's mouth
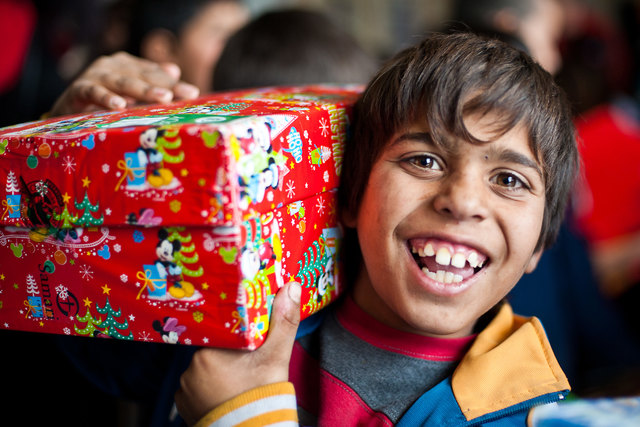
(445, 262)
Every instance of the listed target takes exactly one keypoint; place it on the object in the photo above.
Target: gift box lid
(210, 161)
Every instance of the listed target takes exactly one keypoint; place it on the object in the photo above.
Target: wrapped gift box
(175, 223)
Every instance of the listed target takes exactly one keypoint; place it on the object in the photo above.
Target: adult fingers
(138, 78)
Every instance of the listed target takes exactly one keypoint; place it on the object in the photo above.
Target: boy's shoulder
(510, 363)
(508, 370)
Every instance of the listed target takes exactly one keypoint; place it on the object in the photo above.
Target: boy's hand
(217, 375)
(115, 81)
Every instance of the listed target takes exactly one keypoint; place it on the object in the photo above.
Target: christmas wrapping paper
(173, 223)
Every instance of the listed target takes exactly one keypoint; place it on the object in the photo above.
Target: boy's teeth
(428, 250)
(443, 256)
(473, 259)
(458, 260)
(443, 276)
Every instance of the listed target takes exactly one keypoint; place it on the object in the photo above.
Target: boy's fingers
(285, 318)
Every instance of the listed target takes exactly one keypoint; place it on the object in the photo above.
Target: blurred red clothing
(17, 24)
(608, 196)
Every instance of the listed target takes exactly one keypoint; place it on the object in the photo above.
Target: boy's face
(445, 235)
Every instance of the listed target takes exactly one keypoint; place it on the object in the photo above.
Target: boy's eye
(509, 180)
(425, 161)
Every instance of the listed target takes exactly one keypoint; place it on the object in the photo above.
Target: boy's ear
(533, 261)
(348, 218)
(159, 46)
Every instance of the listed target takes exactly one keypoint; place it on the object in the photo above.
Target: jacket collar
(510, 362)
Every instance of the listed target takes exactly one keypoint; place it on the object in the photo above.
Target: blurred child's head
(534, 25)
(291, 47)
(191, 33)
(460, 144)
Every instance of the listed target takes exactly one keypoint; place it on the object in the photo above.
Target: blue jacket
(509, 369)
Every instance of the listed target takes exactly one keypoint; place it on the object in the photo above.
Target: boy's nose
(462, 197)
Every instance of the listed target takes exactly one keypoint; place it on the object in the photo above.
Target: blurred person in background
(293, 47)
(190, 34)
(532, 25)
(608, 198)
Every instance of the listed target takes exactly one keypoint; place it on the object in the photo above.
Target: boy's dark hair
(440, 81)
(291, 46)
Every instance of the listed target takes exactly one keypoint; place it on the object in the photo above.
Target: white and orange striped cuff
(269, 405)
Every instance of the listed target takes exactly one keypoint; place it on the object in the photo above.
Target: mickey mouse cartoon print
(255, 189)
(169, 329)
(151, 158)
(167, 267)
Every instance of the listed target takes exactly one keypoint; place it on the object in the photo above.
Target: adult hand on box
(113, 82)
(217, 375)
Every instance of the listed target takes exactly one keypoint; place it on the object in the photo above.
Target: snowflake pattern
(320, 206)
(86, 272)
(69, 164)
(117, 248)
(324, 127)
(124, 278)
(144, 336)
(291, 189)
(105, 168)
(62, 291)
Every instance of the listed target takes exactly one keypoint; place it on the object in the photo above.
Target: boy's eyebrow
(414, 136)
(510, 156)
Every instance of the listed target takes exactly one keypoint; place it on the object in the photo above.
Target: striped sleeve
(269, 405)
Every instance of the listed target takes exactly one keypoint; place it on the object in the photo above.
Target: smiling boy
(455, 180)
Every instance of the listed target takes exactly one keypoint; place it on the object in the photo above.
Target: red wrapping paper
(175, 223)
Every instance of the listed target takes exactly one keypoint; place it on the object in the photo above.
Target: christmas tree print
(87, 218)
(32, 286)
(68, 220)
(315, 258)
(12, 184)
(170, 140)
(92, 323)
(111, 325)
(187, 254)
